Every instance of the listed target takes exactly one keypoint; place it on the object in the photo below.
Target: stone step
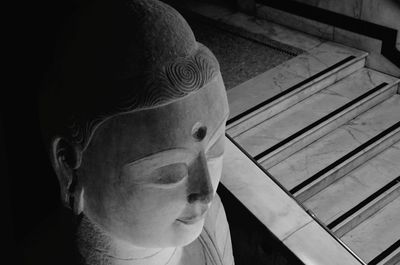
(377, 177)
(304, 70)
(377, 234)
(287, 97)
(347, 163)
(278, 211)
(284, 134)
(392, 259)
(307, 162)
(349, 220)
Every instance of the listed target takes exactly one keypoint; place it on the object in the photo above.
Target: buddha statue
(133, 115)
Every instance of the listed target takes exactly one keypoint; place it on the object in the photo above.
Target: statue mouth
(192, 219)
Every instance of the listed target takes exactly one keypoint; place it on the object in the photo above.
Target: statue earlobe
(66, 158)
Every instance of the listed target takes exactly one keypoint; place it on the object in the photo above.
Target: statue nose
(199, 184)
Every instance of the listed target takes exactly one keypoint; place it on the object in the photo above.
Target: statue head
(134, 114)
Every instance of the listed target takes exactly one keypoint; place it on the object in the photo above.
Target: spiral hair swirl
(173, 81)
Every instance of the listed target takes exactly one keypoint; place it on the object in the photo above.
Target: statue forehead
(148, 131)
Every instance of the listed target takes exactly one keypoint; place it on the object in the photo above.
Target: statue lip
(188, 220)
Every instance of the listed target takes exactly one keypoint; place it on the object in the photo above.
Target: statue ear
(66, 158)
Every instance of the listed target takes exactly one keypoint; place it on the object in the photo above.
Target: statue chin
(179, 234)
(187, 233)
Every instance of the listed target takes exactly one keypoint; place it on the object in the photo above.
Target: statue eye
(170, 174)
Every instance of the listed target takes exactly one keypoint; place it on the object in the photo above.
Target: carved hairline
(177, 80)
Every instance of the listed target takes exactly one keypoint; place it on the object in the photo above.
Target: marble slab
(318, 155)
(285, 75)
(293, 97)
(359, 41)
(377, 233)
(309, 26)
(281, 126)
(210, 10)
(386, 13)
(367, 211)
(351, 189)
(392, 259)
(376, 61)
(311, 135)
(351, 8)
(279, 212)
(343, 168)
(240, 59)
(272, 31)
(382, 12)
(313, 245)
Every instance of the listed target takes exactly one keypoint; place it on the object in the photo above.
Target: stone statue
(134, 116)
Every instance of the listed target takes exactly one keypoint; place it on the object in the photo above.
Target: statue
(134, 116)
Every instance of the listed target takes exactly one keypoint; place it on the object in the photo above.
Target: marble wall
(382, 12)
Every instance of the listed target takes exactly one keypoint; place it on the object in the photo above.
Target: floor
(240, 58)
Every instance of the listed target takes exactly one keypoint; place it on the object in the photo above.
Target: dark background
(30, 192)
(29, 186)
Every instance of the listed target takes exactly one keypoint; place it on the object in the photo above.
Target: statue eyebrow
(169, 156)
(159, 159)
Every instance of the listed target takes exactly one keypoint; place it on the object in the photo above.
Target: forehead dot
(199, 131)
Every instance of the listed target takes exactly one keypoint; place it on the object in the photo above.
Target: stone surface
(345, 193)
(372, 236)
(351, 8)
(313, 245)
(383, 12)
(272, 31)
(279, 212)
(267, 201)
(336, 144)
(139, 153)
(309, 26)
(240, 59)
(293, 97)
(287, 74)
(376, 61)
(286, 123)
(355, 40)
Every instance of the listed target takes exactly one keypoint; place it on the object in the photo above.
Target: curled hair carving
(171, 82)
(179, 78)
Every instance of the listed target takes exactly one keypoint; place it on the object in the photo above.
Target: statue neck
(98, 248)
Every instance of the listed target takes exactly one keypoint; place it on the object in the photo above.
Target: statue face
(150, 176)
